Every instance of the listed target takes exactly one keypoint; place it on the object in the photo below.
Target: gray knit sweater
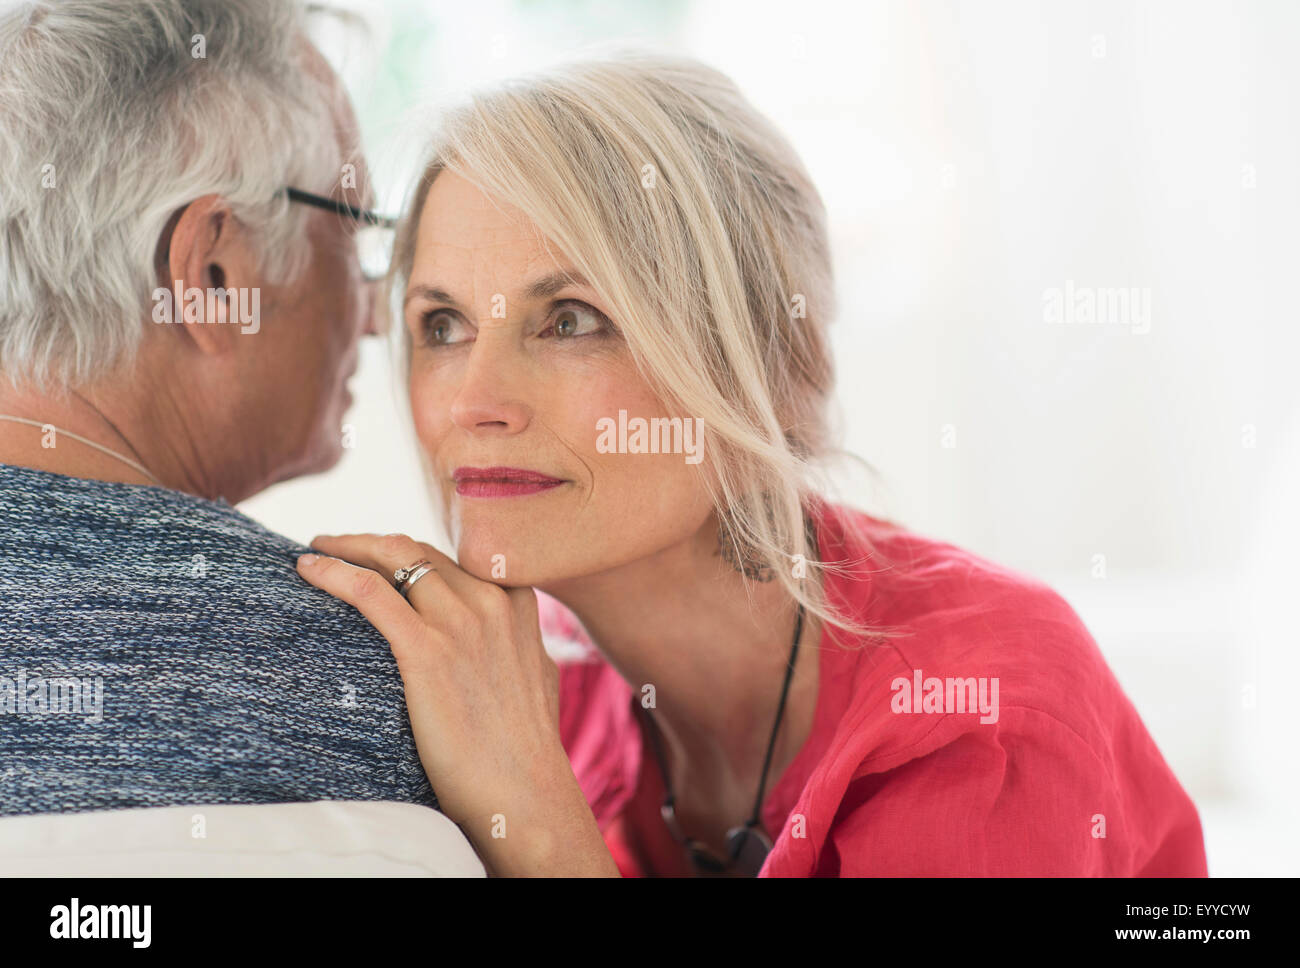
(158, 649)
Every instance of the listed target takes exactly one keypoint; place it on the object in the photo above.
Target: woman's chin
(502, 564)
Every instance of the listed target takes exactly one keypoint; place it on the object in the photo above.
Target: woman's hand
(483, 697)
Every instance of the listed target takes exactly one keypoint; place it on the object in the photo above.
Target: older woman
(598, 263)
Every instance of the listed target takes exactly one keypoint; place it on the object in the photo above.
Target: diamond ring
(408, 576)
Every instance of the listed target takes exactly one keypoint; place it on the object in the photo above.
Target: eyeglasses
(374, 233)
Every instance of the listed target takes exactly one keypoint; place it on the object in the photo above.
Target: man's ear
(208, 264)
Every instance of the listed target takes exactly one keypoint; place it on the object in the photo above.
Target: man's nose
(374, 322)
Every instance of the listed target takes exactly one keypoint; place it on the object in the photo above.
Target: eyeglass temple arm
(342, 208)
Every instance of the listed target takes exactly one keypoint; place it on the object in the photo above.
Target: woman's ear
(209, 266)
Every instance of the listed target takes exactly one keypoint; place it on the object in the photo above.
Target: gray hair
(117, 113)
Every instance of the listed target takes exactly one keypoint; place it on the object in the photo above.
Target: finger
(385, 553)
(372, 596)
(368, 550)
(523, 600)
(437, 595)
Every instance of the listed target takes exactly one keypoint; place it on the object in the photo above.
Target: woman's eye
(575, 319)
(441, 328)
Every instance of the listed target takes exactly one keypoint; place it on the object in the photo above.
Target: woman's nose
(492, 396)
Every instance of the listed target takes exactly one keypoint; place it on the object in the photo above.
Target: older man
(156, 646)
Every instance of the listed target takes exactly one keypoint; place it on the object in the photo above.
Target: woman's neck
(710, 649)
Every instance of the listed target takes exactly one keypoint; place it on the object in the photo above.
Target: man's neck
(127, 432)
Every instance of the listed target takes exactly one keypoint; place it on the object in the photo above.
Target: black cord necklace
(747, 846)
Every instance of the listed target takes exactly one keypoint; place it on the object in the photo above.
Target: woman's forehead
(459, 213)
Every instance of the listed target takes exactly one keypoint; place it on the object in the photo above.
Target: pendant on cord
(747, 847)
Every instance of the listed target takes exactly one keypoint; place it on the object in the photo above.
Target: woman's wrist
(547, 830)
(546, 850)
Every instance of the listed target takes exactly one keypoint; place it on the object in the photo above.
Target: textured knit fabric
(1064, 780)
(222, 676)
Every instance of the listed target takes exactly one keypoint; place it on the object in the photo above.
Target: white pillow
(329, 837)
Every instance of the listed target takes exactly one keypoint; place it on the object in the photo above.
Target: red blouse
(905, 771)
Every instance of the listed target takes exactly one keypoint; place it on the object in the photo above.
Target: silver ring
(408, 576)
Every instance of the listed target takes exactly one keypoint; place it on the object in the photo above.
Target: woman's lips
(501, 481)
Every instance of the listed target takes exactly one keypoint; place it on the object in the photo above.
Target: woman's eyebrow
(550, 284)
(431, 293)
(547, 285)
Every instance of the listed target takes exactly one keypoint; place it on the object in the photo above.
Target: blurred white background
(977, 158)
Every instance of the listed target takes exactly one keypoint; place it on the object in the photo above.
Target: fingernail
(308, 560)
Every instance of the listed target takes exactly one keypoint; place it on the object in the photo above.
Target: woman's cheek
(430, 408)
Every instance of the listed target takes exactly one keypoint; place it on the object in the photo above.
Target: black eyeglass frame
(363, 215)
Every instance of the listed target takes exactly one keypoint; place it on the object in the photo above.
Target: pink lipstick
(501, 481)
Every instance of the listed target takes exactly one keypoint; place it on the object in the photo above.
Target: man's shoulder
(78, 550)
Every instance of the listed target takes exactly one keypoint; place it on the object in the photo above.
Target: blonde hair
(695, 220)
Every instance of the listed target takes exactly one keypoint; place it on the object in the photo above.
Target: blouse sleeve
(1023, 797)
